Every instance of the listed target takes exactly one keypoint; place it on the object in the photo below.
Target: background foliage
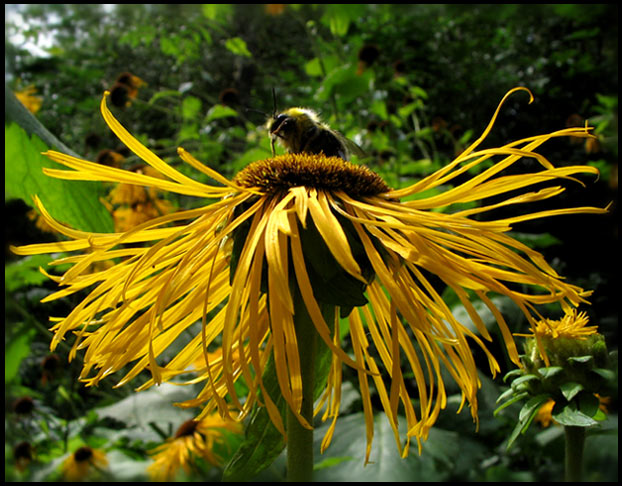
(413, 85)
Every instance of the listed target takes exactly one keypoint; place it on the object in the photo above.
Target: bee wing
(355, 149)
(352, 147)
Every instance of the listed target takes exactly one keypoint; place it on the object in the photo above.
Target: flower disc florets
(281, 173)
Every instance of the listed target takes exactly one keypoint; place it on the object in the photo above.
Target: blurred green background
(413, 85)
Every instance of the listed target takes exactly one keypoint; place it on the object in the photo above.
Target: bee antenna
(273, 102)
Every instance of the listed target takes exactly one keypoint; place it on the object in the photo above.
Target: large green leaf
(25, 272)
(75, 203)
(15, 352)
(150, 410)
(439, 460)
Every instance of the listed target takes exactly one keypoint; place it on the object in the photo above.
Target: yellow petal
(332, 234)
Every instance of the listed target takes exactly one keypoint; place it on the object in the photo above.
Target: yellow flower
(302, 228)
(40, 223)
(28, 98)
(22, 455)
(84, 463)
(554, 340)
(545, 414)
(571, 326)
(132, 205)
(125, 89)
(110, 157)
(193, 438)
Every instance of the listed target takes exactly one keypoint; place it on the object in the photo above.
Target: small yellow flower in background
(125, 89)
(274, 8)
(23, 454)
(131, 80)
(194, 439)
(28, 98)
(40, 222)
(110, 158)
(85, 463)
(545, 414)
(339, 237)
(132, 205)
(572, 326)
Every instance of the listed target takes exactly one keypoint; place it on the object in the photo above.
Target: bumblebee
(300, 130)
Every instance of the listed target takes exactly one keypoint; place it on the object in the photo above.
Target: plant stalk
(299, 438)
(575, 439)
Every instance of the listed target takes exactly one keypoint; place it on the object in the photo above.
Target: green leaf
(75, 203)
(15, 352)
(517, 398)
(604, 373)
(190, 107)
(569, 390)
(262, 441)
(331, 462)
(514, 435)
(379, 107)
(237, 45)
(163, 94)
(511, 374)
(188, 132)
(505, 395)
(220, 111)
(550, 371)
(25, 272)
(444, 453)
(542, 240)
(155, 406)
(530, 408)
(418, 92)
(250, 156)
(217, 11)
(526, 416)
(406, 110)
(581, 359)
(523, 379)
(599, 416)
(313, 67)
(345, 82)
(589, 404)
(169, 47)
(569, 415)
(338, 17)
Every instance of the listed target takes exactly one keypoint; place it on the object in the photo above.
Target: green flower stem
(299, 438)
(575, 439)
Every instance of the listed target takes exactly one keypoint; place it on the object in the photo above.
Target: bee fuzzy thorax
(300, 112)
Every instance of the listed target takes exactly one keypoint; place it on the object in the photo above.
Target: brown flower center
(83, 454)
(187, 428)
(283, 172)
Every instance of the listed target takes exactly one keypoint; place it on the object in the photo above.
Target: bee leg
(272, 140)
